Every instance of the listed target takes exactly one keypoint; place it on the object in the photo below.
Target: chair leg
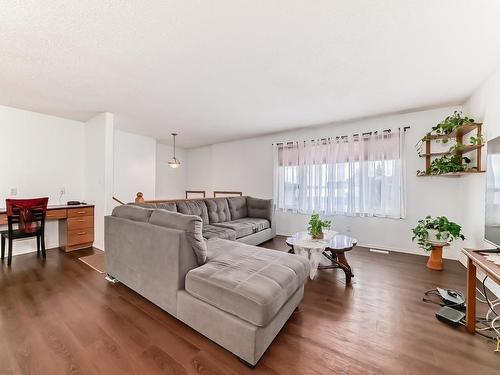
(3, 247)
(38, 245)
(9, 257)
(43, 245)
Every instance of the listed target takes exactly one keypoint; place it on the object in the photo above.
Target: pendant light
(174, 162)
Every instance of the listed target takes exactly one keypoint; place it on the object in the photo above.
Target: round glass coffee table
(334, 252)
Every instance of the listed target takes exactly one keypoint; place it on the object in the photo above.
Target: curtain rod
(345, 136)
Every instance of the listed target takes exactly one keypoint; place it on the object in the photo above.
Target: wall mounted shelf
(458, 132)
(451, 174)
(465, 150)
(457, 135)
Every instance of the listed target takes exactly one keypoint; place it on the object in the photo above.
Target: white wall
(170, 182)
(134, 166)
(98, 170)
(40, 155)
(483, 106)
(247, 166)
(91, 161)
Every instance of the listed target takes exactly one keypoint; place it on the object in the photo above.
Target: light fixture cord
(174, 148)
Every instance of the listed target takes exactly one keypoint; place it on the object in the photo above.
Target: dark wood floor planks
(59, 316)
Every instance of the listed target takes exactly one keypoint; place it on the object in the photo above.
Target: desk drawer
(80, 236)
(83, 222)
(3, 219)
(79, 212)
(55, 214)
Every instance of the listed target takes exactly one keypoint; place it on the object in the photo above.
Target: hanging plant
(449, 124)
(447, 164)
(459, 147)
(444, 128)
(476, 140)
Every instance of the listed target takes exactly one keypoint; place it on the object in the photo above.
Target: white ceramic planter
(432, 238)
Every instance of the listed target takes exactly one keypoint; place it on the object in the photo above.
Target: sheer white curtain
(358, 175)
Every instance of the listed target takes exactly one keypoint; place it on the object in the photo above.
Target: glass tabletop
(337, 242)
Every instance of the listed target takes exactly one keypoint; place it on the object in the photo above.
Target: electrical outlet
(13, 191)
(62, 191)
(348, 229)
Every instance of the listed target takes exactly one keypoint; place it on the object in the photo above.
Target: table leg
(291, 251)
(345, 266)
(470, 312)
(338, 261)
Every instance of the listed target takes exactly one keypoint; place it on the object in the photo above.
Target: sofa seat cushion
(218, 210)
(246, 226)
(194, 207)
(250, 282)
(212, 231)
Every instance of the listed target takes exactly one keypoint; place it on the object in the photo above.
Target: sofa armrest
(260, 208)
(150, 259)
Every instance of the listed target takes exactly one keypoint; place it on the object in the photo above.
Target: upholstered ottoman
(242, 296)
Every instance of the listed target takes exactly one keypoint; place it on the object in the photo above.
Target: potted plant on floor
(316, 226)
(432, 234)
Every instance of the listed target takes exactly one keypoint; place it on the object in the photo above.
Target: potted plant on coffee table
(316, 226)
(434, 233)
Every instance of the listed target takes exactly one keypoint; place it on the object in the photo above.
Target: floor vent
(379, 251)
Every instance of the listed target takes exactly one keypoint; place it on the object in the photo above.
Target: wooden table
(76, 224)
(476, 260)
(335, 252)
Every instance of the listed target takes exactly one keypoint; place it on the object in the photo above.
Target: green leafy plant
(449, 124)
(447, 164)
(316, 226)
(476, 140)
(446, 231)
(459, 147)
(445, 127)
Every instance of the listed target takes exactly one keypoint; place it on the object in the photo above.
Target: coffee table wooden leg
(345, 266)
(470, 313)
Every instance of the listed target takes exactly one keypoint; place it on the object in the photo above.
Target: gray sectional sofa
(244, 219)
(236, 294)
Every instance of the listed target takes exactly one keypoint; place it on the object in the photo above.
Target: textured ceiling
(226, 69)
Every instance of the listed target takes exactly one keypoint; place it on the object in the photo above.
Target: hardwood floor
(59, 316)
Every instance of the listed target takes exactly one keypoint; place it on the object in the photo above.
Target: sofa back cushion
(194, 207)
(169, 206)
(218, 210)
(260, 208)
(190, 224)
(237, 207)
(143, 204)
(133, 212)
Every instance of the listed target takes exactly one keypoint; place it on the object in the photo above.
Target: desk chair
(29, 215)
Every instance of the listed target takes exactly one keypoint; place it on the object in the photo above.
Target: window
(352, 176)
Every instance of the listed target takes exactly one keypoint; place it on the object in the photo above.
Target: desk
(476, 260)
(76, 225)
